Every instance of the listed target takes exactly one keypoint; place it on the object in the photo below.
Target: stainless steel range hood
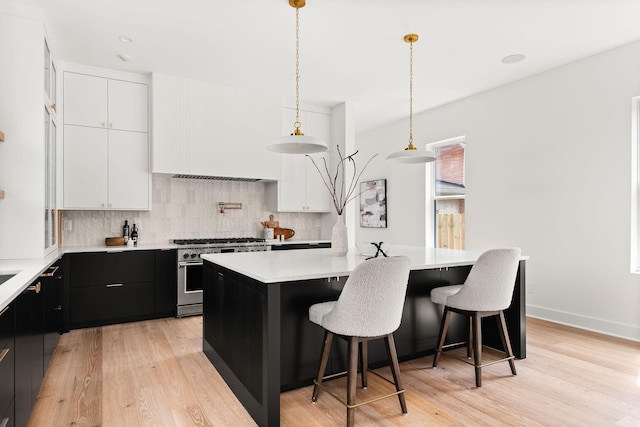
(216, 178)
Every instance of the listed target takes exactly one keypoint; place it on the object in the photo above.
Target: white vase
(339, 238)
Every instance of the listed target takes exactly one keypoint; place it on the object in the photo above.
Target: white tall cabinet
(301, 188)
(106, 142)
(22, 120)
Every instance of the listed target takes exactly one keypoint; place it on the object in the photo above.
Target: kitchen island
(256, 328)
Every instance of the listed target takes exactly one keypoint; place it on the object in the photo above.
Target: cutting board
(287, 233)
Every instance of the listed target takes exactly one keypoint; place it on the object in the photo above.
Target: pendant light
(297, 142)
(411, 154)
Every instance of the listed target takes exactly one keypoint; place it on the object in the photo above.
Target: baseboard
(620, 330)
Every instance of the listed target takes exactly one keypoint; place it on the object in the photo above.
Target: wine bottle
(134, 235)
(125, 231)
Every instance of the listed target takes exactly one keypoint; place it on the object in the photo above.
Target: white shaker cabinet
(105, 103)
(106, 143)
(301, 188)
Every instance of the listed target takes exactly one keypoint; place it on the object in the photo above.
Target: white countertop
(28, 270)
(304, 264)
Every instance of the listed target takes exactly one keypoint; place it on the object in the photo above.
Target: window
(449, 193)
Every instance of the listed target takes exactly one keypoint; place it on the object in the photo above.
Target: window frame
(431, 198)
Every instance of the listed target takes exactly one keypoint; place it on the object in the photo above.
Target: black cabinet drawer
(103, 268)
(7, 356)
(6, 326)
(122, 301)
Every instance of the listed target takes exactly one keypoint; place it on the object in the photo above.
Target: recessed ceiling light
(512, 59)
(124, 58)
(125, 39)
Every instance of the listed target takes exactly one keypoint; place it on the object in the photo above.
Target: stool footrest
(344, 402)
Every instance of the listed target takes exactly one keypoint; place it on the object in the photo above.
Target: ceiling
(351, 50)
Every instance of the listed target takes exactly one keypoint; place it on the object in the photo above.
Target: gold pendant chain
(297, 122)
(411, 93)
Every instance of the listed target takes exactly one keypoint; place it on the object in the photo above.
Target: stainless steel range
(190, 266)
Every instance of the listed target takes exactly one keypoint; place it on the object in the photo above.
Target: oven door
(189, 283)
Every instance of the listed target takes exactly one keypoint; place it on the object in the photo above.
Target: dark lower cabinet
(166, 282)
(111, 287)
(29, 351)
(53, 309)
(114, 287)
(7, 367)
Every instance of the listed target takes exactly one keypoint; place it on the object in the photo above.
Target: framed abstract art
(373, 203)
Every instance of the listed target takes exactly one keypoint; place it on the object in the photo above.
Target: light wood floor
(154, 374)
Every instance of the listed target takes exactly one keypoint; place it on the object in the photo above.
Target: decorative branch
(341, 194)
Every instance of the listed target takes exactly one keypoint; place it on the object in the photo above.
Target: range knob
(193, 255)
(200, 255)
(185, 256)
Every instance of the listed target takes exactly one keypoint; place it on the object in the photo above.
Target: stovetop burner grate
(222, 240)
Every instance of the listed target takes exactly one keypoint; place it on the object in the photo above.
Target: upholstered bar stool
(368, 308)
(486, 292)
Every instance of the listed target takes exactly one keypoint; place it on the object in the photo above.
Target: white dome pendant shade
(411, 154)
(297, 142)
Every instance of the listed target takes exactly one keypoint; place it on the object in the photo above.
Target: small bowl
(368, 249)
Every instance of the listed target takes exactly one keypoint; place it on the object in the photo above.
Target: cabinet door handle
(104, 124)
(36, 288)
(51, 272)
(3, 354)
(115, 285)
(57, 308)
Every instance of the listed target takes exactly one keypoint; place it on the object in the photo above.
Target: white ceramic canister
(268, 233)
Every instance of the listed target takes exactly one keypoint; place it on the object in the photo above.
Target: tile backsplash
(188, 208)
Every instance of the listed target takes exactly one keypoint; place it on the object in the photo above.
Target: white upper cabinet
(106, 143)
(128, 106)
(301, 188)
(85, 167)
(202, 128)
(106, 103)
(85, 100)
(128, 171)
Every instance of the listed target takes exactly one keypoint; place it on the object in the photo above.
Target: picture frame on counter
(373, 204)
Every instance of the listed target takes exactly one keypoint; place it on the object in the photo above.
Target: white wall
(548, 169)
(21, 119)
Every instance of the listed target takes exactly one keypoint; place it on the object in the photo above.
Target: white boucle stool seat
(317, 311)
(440, 295)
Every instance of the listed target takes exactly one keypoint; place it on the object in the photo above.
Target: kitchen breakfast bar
(257, 334)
